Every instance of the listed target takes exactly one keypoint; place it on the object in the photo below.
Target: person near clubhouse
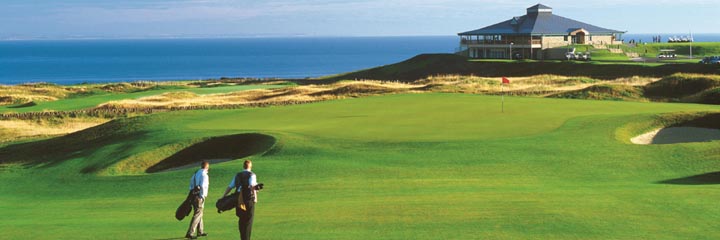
(245, 182)
(202, 181)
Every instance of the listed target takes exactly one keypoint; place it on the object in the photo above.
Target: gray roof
(539, 21)
(539, 6)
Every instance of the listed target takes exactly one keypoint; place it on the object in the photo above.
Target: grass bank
(425, 65)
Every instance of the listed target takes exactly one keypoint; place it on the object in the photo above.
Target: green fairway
(94, 100)
(410, 166)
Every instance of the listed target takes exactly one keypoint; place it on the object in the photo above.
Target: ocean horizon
(120, 60)
(99, 61)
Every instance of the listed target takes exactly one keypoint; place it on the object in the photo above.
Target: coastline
(128, 60)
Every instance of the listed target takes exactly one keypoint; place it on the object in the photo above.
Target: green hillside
(425, 65)
(409, 166)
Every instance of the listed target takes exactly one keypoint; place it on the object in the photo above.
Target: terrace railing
(501, 42)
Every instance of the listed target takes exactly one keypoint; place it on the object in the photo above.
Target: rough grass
(605, 92)
(541, 85)
(689, 88)
(18, 130)
(711, 96)
(63, 98)
(279, 96)
(678, 86)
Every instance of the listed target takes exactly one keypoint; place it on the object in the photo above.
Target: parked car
(711, 60)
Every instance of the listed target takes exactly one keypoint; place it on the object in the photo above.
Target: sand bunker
(677, 135)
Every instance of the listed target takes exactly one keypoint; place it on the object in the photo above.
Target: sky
(27, 19)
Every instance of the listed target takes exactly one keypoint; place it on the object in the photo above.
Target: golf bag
(227, 203)
(186, 206)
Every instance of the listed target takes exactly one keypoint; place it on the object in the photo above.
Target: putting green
(418, 166)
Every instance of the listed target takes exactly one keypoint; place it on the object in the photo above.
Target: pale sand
(677, 135)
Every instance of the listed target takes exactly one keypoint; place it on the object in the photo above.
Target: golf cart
(667, 53)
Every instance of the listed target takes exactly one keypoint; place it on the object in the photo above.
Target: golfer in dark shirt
(245, 182)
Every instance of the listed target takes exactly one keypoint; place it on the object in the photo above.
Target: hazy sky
(158, 18)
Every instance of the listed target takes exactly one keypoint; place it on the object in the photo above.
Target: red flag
(505, 80)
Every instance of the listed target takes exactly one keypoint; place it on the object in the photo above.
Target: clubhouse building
(532, 36)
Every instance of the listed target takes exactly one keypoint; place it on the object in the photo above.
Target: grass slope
(689, 88)
(425, 65)
(604, 92)
(686, 88)
(83, 102)
(422, 166)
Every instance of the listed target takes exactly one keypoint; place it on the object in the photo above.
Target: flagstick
(502, 96)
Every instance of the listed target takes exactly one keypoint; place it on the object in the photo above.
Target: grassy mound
(682, 85)
(91, 96)
(679, 87)
(179, 95)
(710, 96)
(119, 87)
(604, 92)
(8, 100)
(121, 147)
(709, 120)
(222, 147)
(354, 90)
(54, 151)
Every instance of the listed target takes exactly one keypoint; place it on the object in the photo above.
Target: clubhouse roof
(539, 20)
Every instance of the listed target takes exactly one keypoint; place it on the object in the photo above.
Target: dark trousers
(245, 220)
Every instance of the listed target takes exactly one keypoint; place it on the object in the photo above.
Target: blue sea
(92, 61)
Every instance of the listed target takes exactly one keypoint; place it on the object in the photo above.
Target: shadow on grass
(24, 105)
(702, 179)
(222, 148)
